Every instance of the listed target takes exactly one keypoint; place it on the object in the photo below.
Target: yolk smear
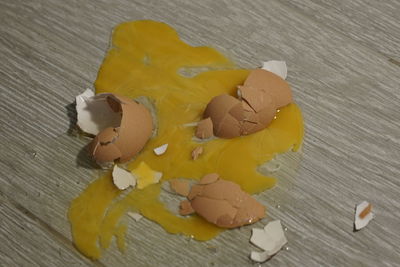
(146, 59)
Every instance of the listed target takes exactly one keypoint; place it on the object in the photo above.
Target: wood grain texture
(348, 90)
(375, 24)
(26, 241)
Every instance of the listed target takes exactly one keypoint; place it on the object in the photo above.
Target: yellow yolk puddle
(146, 59)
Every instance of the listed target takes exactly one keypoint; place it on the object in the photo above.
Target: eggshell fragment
(209, 178)
(124, 140)
(160, 150)
(185, 208)
(197, 152)
(94, 114)
(272, 84)
(223, 203)
(123, 179)
(204, 129)
(262, 93)
(136, 216)
(363, 215)
(271, 239)
(277, 67)
(180, 187)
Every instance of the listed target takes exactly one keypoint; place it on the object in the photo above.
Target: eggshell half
(129, 137)
(261, 95)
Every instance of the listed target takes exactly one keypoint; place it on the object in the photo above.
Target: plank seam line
(61, 238)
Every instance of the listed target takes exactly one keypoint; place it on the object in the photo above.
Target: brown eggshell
(212, 209)
(209, 178)
(238, 112)
(204, 129)
(197, 152)
(180, 187)
(260, 96)
(194, 191)
(185, 208)
(229, 127)
(129, 138)
(225, 125)
(272, 84)
(223, 203)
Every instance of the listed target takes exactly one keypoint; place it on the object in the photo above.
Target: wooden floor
(344, 67)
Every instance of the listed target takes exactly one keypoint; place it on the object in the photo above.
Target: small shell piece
(179, 186)
(134, 215)
(277, 67)
(204, 129)
(197, 152)
(363, 215)
(161, 149)
(271, 239)
(122, 178)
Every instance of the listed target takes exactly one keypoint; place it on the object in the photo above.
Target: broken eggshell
(271, 239)
(123, 179)
(160, 150)
(262, 93)
(363, 215)
(277, 67)
(122, 126)
(222, 203)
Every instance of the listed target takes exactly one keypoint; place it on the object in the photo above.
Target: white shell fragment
(134, 215)
(160, 150)
(94, 113)
(277, 67)
(363, 215)
(122, 178)
(271, 239)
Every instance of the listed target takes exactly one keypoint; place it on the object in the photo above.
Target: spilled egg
(139, 65)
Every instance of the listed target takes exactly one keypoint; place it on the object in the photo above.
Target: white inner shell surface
(362, 222)
(122, 178)
(270, 239)
(94, 113)
(277, 67)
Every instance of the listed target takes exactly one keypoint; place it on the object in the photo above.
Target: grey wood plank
(375, 24)
(28, 242)
(349, 95)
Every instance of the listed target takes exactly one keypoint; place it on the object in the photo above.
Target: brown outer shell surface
(272, 84)
(262, 94)
(125, 141)
(223, 203)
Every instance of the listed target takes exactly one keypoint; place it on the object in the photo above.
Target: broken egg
(122, 126)
(222, 203)
(262, 93)
(271, 239)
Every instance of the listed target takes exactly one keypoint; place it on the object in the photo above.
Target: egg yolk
(148, 59)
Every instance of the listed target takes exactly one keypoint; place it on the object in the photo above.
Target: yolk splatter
(147, 58)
